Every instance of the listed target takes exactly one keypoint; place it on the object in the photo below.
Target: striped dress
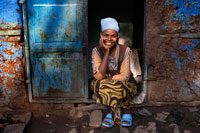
(118, 92)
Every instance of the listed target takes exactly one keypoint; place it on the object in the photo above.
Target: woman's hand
(102, 45)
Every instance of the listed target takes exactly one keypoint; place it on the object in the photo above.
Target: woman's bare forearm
(104, 63)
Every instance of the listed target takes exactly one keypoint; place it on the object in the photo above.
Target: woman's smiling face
(110, 37)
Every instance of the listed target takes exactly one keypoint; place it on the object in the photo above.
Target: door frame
(145, 66)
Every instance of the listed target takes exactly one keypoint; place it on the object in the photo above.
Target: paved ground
(164, 119)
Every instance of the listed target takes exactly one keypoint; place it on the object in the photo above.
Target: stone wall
(172, 50)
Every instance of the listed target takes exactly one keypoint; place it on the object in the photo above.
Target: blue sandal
(108, 119)
(126, 118)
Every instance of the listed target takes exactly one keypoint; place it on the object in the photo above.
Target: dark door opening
(130, 16)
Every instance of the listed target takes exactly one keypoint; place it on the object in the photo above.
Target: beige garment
(135, 70)
(124, 69)
(134, 60)
(135, 64)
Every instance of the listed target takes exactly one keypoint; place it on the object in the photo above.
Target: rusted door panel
(56, 43)
(57, 75)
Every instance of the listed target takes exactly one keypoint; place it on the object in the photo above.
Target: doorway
(130, 16)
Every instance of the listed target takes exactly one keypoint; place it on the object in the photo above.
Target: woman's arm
(100, 65)
(103, 66)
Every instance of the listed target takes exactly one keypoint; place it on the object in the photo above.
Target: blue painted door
(57, 32)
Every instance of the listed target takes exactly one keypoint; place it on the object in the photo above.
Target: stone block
(96, 119)
(14, 128)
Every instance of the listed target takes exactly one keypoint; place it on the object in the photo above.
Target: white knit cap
(109, 23)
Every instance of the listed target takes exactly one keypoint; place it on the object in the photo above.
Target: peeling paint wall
(173, 30)
(182, 16)
(12, 76)
(10, 17)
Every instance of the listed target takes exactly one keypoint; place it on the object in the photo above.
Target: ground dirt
(61, 122)
(186, 118)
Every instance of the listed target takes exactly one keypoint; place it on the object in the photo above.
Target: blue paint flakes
(5, 46)
(8, 12)
(10, 67)
(185, 12)
(185, 54)
(164, 27)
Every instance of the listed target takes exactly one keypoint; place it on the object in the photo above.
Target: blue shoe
(126, 120)
(109, 120)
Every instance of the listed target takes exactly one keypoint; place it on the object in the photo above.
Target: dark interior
(125, 11)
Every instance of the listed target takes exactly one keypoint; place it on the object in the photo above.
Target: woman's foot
(108, 121)
(126, 120)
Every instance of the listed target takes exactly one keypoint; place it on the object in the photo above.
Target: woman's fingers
(103, 45)
(101, 42)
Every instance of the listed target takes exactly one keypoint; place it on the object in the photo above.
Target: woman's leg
(108, 120)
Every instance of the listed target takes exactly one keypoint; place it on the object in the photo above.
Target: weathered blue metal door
(57, 31)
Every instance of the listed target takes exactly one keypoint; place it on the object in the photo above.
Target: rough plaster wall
(11, 71)
(12, 80)
(173, 63)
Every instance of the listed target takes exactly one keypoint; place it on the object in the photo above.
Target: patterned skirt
(113, 93)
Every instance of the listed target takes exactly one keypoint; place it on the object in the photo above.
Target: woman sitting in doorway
(113, 84)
